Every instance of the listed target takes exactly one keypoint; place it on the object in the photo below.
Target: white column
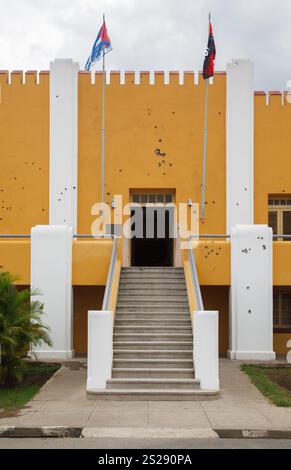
(63, 142)
(240, 143)
(206, 355)
(100, 349)
(51, 274)
(251, 325)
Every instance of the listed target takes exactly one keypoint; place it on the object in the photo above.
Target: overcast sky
(149, 34)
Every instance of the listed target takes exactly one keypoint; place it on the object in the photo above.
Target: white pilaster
(63, 142)
(240, 143)
(251, 327)
(51, 274)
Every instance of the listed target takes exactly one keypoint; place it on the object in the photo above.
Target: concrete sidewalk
(63, 402)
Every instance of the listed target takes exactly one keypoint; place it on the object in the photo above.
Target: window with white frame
(280, 215)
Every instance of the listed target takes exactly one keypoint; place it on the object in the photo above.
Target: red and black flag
(208, 66)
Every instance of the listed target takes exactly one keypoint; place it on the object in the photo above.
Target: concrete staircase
(153, 342)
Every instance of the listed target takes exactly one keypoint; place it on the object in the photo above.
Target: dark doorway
(156, 249)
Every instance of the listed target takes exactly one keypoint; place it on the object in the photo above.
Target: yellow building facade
(154, 146)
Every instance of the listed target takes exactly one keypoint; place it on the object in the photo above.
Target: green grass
(259, 377)
(18, 395)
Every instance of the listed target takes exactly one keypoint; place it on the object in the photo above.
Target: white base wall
(51, 274)
(206, 355)
(251, 313)
(100, 349)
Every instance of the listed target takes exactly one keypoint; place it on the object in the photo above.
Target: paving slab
(63, 401)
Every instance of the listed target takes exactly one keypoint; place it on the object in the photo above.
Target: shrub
(20, 327)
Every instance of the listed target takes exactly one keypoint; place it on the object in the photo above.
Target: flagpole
(103, 130)
(205, 135)
(205, 132)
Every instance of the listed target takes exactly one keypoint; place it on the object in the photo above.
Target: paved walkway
(63, 402)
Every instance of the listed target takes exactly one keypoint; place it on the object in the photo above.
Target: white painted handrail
(110, 276)
(195, 280)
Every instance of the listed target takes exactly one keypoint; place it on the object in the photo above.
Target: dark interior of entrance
(158, 250)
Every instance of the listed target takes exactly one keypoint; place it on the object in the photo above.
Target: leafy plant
(20, 326)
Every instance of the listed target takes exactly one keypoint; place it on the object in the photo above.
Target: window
(280, 216)
(282, 310)
(152, 198)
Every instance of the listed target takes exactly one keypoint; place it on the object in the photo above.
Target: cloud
(149, 34)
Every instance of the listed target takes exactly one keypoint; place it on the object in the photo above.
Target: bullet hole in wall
(108, 194)
(249, 311)
(160, 140)
(159, 153)
(120, 171)
(264, 247)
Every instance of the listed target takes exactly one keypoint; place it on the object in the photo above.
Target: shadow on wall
(85, 298)
(217, 298)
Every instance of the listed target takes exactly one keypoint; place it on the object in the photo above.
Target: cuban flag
(101, 45)
(208, 66)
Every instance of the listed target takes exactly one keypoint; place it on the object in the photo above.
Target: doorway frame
(126, 262)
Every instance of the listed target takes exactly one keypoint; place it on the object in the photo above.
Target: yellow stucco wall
(141, 119)
(272, 151)
(24, 152)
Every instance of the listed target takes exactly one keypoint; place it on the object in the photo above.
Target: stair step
(147, 269)
(136, 286)
(130, 282)
(152, 345)
(154, 322)
(153, 276)
(163, 301)
(142, 329)
(153, 384)
(152, 309)
(124, 315)
(152, 354)
(153, 363)
(143, 292)
(157, 373)
(152, 337)
(154, 395)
